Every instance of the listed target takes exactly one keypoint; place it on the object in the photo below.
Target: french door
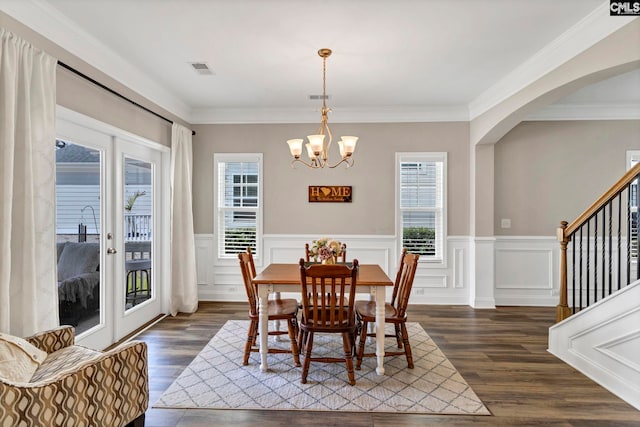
(111, 197)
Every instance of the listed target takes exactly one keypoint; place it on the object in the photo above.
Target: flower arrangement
(326, 249)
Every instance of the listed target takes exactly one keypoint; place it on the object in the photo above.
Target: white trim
(593, 28)
(560, 112)
(526, 270)
(382, 114)
(450, 284)
(632, 156)
(111, 140)
(222, 282)
(82, 120)
(440, 262)
(482, 287)
(598, 341)
(230, 158)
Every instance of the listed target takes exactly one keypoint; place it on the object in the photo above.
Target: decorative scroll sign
(330, 193)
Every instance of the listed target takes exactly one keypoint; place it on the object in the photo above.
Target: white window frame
(440, 259)
(219, 209)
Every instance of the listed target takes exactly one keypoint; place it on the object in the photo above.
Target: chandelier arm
(347, 160)
(311, 165)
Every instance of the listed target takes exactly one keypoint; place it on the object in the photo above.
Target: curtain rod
(119, 95)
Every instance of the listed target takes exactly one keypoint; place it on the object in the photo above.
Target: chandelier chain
(324, 82)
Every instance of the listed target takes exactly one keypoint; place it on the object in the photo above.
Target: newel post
(562, 309)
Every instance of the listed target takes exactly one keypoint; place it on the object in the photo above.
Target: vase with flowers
(326, 250)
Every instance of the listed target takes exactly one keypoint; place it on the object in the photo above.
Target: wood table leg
(263, 297)
(276, 296)
(380, 297)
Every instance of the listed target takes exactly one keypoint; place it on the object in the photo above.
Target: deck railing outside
(137, 227)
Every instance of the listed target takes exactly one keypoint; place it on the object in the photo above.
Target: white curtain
(184, 285)
(28, 286)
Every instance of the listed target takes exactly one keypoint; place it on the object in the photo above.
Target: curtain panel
(28, 286)
(184, 285)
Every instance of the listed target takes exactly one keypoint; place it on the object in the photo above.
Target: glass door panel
(138, 232)
(84, 175)
(139, 228)
(78, 214)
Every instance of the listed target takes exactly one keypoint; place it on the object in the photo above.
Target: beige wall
(372, 212)
(84, 97)
(547, 172)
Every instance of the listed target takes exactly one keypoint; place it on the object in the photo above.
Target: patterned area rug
(216, 379)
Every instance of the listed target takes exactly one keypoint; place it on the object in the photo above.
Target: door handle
(111, 250)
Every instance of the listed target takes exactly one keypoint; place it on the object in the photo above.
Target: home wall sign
(330, 193)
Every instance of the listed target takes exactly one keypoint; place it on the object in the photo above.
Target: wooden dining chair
(278, 309)
(324, 287)
(252, 265)
(394, 312)
(362, 304)
(343, 255)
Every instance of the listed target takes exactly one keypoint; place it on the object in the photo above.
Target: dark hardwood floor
(501, 353)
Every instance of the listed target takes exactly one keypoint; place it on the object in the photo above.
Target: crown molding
(395, 114)
(587, 112)
(44, 19)
(41, 17)
(593, 28)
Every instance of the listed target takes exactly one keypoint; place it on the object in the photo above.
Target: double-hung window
(238, 203)
(421, 203)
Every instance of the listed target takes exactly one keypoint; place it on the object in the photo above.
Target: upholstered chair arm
(111, 389)
(53, 339)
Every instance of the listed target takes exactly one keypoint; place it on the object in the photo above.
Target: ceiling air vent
(201, 68)
(315, 97)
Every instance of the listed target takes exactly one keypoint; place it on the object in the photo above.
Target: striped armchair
(77, 386)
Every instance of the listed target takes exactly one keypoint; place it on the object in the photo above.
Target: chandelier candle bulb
(317, 143)
(310, 152)
(349, 144)
(295, 146)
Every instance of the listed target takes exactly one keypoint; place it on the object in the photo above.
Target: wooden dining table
(371, 280)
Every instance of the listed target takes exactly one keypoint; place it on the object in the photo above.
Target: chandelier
(317, 149)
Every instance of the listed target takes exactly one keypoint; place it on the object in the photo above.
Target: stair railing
(604, 247)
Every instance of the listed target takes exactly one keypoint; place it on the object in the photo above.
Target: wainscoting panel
(524, 268)
(527, 271)
(603, 342)
(204, 254)
(220, 280)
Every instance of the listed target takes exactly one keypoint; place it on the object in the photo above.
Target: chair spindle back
(246, 262)
(407, 273)
(323, 291)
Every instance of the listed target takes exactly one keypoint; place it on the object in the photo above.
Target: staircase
(599, 310)
(603, 342)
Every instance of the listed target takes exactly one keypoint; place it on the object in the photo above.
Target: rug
(216, 379)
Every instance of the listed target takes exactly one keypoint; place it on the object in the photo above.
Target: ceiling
(393, 60)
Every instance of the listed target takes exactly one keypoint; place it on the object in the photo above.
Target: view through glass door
(139, 179)
(109, 225)
(83, 203)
